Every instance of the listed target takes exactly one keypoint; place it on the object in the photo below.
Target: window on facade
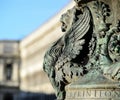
(8, 71)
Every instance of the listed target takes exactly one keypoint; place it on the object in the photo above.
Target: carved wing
(73, 39)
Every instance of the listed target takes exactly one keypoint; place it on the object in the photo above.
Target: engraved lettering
(81, 94)
(88, 93)
(95, 93)
(100, 94)
(116, 93)
(108, 93)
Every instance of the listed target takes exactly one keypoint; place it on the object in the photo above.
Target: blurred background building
(21, 73)
(9, 70)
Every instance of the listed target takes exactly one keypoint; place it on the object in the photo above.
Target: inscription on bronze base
(94, 94)
(95, 88)
(88, 53)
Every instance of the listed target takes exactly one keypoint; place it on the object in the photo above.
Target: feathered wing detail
(73, 39)
(61, 53)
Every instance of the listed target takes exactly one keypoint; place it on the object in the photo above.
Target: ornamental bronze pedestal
(97, 88)
(84, 64)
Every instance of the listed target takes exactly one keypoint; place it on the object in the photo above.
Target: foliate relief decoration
(88, 43)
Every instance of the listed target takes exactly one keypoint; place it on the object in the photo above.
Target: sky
(19, 18)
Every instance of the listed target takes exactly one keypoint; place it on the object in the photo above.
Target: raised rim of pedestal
(94, 81)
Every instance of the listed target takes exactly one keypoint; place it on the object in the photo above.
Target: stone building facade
(9, 70)
(33, 49)
(22, 76)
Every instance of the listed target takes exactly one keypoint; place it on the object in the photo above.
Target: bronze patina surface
(84, 64)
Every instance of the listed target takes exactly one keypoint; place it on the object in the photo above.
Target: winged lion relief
(89, 43)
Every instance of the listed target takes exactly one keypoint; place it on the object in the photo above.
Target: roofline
(10, 41)
(46, 26)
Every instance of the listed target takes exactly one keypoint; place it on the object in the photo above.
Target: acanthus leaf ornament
(89, 43)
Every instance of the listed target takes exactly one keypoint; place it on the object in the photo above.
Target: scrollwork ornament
(89, 43)
(64, 61)
(114, 47)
